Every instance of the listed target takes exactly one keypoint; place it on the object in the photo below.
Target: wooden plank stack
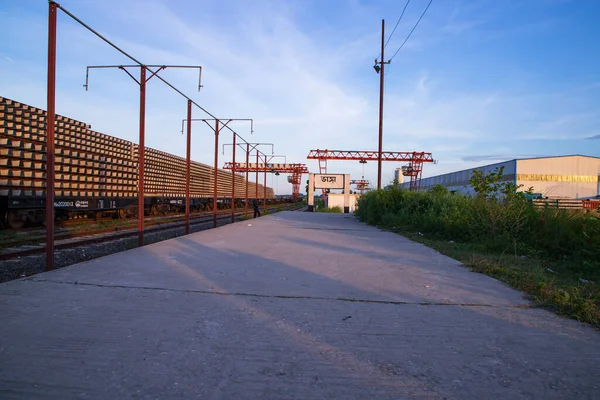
(93, 164)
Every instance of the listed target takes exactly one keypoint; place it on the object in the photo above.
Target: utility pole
(141, 147)
(50, 130)
(380, 69)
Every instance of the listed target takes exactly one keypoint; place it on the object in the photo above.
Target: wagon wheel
(14, 220)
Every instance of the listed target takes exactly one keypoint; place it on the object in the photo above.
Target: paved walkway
(288, 306)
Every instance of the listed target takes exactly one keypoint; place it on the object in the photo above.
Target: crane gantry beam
(296, 171)
(359, 155)
(261, 167)
(415, 160)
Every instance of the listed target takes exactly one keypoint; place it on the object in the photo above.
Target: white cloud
(303, 90)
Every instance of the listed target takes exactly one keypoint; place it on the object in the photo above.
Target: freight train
(97, 174)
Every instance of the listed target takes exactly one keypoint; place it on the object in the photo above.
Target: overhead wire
(412, 30)
(396, 26)
(154, 73)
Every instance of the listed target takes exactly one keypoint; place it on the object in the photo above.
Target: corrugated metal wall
(459, 181)
(570, 177)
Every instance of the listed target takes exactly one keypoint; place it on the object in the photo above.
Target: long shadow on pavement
(222, 316)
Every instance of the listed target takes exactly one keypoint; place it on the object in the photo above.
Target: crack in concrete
(290, 297)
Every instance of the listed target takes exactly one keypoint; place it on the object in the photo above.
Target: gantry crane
(413, 169)
(361, 184)
(295, 171)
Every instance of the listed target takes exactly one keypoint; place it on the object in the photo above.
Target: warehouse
(574, 176)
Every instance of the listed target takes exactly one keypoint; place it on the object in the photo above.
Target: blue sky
(478, 82)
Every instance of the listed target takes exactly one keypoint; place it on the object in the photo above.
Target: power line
(394, 30)
(413, 29)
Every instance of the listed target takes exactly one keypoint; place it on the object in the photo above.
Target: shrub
(498, 217)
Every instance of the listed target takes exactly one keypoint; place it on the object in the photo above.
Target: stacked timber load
(165, 175)
(92, 164)
(22, 160)
(112, 168)
(87, 163)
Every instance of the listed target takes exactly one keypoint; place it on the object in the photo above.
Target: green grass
(553, 255)
(550, 284)
(320, 207)
(333, 210)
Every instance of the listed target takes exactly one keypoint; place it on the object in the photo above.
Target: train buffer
(290, 305)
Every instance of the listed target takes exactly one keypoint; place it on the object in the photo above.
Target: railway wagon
(96, 174)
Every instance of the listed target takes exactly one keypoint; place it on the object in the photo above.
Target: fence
(568, 204)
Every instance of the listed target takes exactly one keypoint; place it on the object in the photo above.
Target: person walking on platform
(256, 208)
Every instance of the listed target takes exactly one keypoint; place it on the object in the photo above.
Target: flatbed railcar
(97, 174)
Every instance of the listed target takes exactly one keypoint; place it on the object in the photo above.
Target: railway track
(72, 230)
(78, 239)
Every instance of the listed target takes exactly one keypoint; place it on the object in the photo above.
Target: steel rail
(121, 235)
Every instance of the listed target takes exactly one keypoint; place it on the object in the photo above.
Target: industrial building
(573, 177)
(398, 176)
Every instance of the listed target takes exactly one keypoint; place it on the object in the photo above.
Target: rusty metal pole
(188, 168)
(51, 107)
(247, 161)
(381, 76)
(233, 182)
(256, 194)
(265, 187)
(141, 156)
(215, 175)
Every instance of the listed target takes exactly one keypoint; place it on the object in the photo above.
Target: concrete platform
(288, 306)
